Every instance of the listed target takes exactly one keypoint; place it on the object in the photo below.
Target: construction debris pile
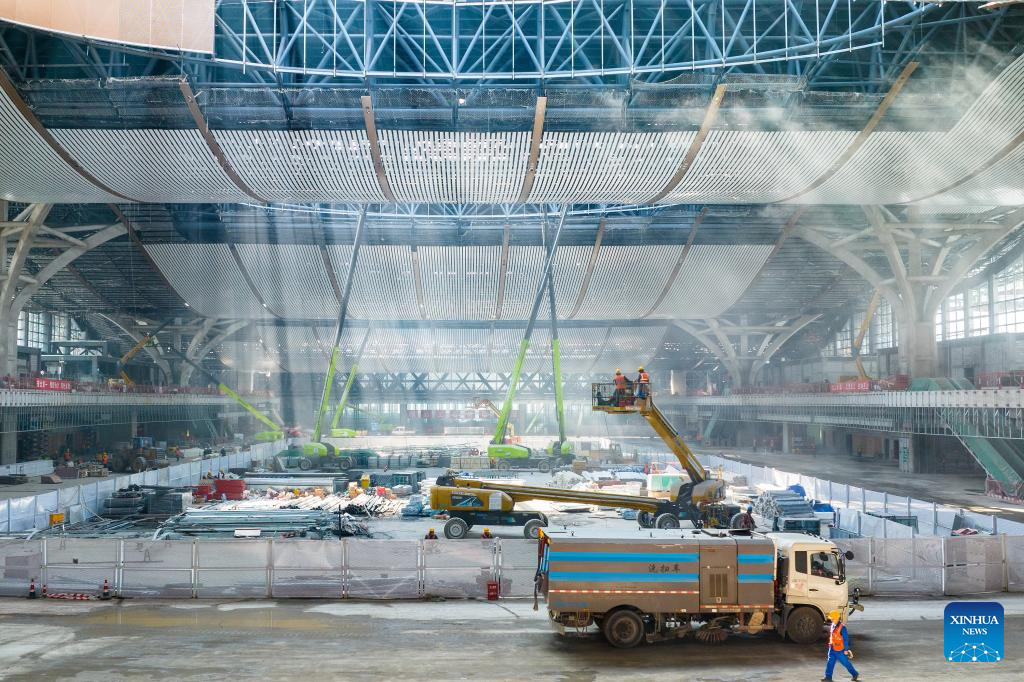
(303, 523)
(316, 499)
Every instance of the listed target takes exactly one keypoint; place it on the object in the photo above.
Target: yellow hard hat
(618, 371)
(641, 369)
(834, 616)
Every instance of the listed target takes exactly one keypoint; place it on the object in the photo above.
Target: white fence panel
(308, 569)
(157, 568)
(383, 570)
(20, 562)
(458, 569)
(974, 564)
(232, 568)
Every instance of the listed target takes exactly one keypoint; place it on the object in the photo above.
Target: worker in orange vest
(621, 382)
(643, 384)
(838, 648)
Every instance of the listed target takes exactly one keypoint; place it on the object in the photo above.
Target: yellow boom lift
(470, 501)
(143, 342)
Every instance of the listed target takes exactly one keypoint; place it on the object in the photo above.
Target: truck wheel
(666, 520)
(623, 629)
(345, 463)
(544, 466)
(456, 529)
(531, 530)
(504, 465)
(305, 464)
(645, 519)
(805, 625)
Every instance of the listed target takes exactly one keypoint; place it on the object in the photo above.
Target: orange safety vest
(644, 378)
(620, 381)
(835, 637)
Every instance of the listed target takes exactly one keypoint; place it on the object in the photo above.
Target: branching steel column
(339, 330)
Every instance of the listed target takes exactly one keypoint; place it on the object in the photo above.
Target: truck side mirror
(849, 555)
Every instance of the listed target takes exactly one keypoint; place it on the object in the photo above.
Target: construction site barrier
(415, 569)
(80, 502)
(930, 518)
(328, 569)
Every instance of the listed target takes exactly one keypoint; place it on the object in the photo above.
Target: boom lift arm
(348, 383)
(487, 403)
(703, 488)
(276, 431)
(316, 447)
(143, 342)
(498, 448)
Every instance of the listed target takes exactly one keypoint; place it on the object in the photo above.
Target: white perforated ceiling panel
(292, 279)
(934, 160)
(460, 283)
(454, 167)
(757, 167)
(303, 166)
(607, 167)
(525, 264)
(384, 286)
(31, 171)
(627, 280)
(629, 348)
(207, 277)
(884, 170)
(158, 166)
(711, 280)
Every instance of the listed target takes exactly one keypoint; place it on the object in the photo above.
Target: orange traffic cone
(32, 588)
(106, 589)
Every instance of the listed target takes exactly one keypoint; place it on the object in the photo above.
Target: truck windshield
(825, 564)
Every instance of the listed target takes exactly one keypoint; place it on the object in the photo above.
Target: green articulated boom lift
(275, 431)
(317, 448)
(515, 455)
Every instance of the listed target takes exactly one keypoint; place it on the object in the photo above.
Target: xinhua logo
(974, 632)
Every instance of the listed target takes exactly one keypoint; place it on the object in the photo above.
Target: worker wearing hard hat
(643, 384)
(620, 387)
(838, 648)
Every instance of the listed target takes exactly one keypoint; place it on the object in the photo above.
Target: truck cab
(811, 574)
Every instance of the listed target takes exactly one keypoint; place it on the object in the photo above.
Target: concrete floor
(957, 490)
(260, 640)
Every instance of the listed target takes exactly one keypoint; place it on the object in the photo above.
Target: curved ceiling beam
(30, 117)
(594, 254)
(375, 156)
(679, 263)
(249, 281)
(863, 135)
(211, 142)
(698, 141)
(133, 235)
(535, 140)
